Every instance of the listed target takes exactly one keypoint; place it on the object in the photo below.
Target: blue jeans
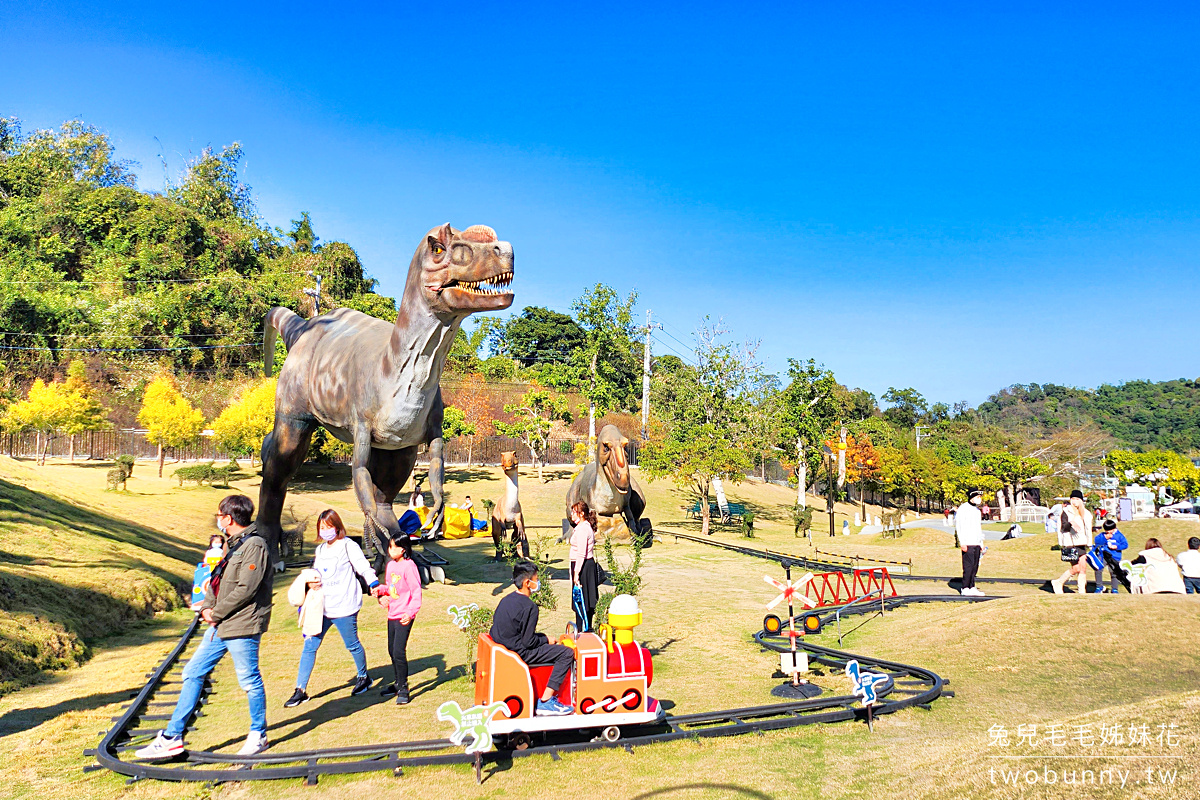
(1192, 585)
(348, 628)
(244, 651)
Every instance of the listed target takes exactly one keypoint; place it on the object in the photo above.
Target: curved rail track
(909, 686)
(832, 566)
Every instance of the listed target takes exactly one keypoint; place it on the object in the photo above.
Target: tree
(46, 407)
(241, 428)
(908, 406)
(534, 418)
(169, 419)
(454, 424)
(810, 409)
(85, 412)
(477, 411)
(701, 414)
(537, 335)
(1158, 468)
(211, 187)
(1011, 470)
(304, 240)
(607, 324)
(765, 412)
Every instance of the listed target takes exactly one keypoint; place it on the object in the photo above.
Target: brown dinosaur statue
(375, 384)
(609, 490)
(508, 511)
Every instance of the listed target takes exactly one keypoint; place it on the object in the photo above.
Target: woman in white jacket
(1162, 574)
(339, 562)
(1074, 538)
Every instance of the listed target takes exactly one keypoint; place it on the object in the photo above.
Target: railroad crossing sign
(791, 590)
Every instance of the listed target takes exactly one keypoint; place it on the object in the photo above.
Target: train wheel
(588, 705)
(611, 733)
(515, 706)
(519, 741)
(635, 699)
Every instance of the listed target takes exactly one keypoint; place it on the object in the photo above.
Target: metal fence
(107, 445)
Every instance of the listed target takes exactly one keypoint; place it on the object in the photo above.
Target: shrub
(747, 529)
(197, 472)
(479, 623)
(126, 462)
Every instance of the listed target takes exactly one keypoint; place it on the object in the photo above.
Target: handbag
(1071, 554)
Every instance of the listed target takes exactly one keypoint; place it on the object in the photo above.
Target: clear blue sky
(951, 199)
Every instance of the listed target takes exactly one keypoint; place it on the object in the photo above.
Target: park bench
(694, 511)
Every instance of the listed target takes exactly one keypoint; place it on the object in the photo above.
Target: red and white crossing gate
(828, 589)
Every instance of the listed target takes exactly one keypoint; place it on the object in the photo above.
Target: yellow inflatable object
(456, 524)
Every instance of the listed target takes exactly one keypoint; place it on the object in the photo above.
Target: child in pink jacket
(402, 596)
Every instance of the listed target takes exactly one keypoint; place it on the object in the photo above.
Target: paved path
(937, 525)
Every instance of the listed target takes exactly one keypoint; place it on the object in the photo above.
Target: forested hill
(1138, 413)
(91, 265)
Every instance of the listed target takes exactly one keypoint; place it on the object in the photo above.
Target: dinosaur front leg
(283, 452)
(437, 476)
(360, 472)
(519, 533)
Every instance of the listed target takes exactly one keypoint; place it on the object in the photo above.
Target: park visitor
(1106, 551)
(1162, 575)
(401, 596)
(969, 529)
(417, 498)
(237, 606)
(1074, 534)
(585, 588)
(1189, 562)
(514, 625)
(340, 562)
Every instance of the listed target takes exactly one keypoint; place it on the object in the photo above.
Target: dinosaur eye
(438, 249)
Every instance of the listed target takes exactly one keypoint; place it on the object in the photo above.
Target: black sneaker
(362, 685)
(402, 699)
(388, 690)
(296, 699)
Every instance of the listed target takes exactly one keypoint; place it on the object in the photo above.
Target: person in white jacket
(1074, 538)
(968, 524)
(1161, 573)
(339, 562)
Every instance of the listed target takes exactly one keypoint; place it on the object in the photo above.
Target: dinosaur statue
(609, 490)
(375, 384)
(508, 511)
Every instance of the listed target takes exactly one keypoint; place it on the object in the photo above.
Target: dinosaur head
(461, 272)
(508, 461)
(611, 455)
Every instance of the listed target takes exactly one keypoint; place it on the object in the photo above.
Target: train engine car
(608, 686)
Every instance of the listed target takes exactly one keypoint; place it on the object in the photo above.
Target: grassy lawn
(1031, 659)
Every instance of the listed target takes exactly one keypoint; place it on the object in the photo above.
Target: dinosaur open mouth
(486, 287)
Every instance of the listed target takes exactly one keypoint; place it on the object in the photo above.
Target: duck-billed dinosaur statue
(374, 384)
(508, 511)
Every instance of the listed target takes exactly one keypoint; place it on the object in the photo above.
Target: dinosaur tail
(285, 322)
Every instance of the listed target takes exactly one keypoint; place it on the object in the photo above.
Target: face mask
(537, 585)
(976, 501)
(328, 534)
(221, 526)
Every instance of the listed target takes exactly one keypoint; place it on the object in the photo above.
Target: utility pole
(646, 378)
(918, 431)
(315, 294)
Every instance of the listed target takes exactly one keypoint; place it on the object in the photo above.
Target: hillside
(1141, 414)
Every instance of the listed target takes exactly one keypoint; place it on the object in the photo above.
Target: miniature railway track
(143, 717)
(848, 565)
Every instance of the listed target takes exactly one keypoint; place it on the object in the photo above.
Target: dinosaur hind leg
(388, 469)
(283, 452)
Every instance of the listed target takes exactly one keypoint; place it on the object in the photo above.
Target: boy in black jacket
(514, 625)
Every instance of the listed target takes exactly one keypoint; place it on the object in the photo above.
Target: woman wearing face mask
(339, 562)
(1074, 536)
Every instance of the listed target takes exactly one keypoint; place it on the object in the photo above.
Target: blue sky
(915, 195)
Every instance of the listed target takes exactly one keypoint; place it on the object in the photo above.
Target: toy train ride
(607, 688)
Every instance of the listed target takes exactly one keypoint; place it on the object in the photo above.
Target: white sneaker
(255, 744)
(161, 748)
(977, 592)
(1057, 585)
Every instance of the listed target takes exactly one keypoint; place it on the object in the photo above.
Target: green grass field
(1030, 659)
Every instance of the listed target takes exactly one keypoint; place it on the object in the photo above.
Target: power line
(130, 335)
(682, 344)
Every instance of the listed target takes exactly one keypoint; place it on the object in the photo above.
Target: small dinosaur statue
(374, 384)
(471, 722)
(608, 488)
(508, 511)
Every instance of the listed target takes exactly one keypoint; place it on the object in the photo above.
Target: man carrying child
(514, 625)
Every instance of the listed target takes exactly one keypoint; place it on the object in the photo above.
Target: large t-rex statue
(374, 384)
(608, 488)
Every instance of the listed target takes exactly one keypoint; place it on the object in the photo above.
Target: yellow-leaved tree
(242, 426)
(169, 419)
(46, 407)
(86, 413)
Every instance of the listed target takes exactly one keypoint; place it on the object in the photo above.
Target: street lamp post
(829, 484)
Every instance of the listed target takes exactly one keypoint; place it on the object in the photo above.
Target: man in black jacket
(514, 625)
(238, 607)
